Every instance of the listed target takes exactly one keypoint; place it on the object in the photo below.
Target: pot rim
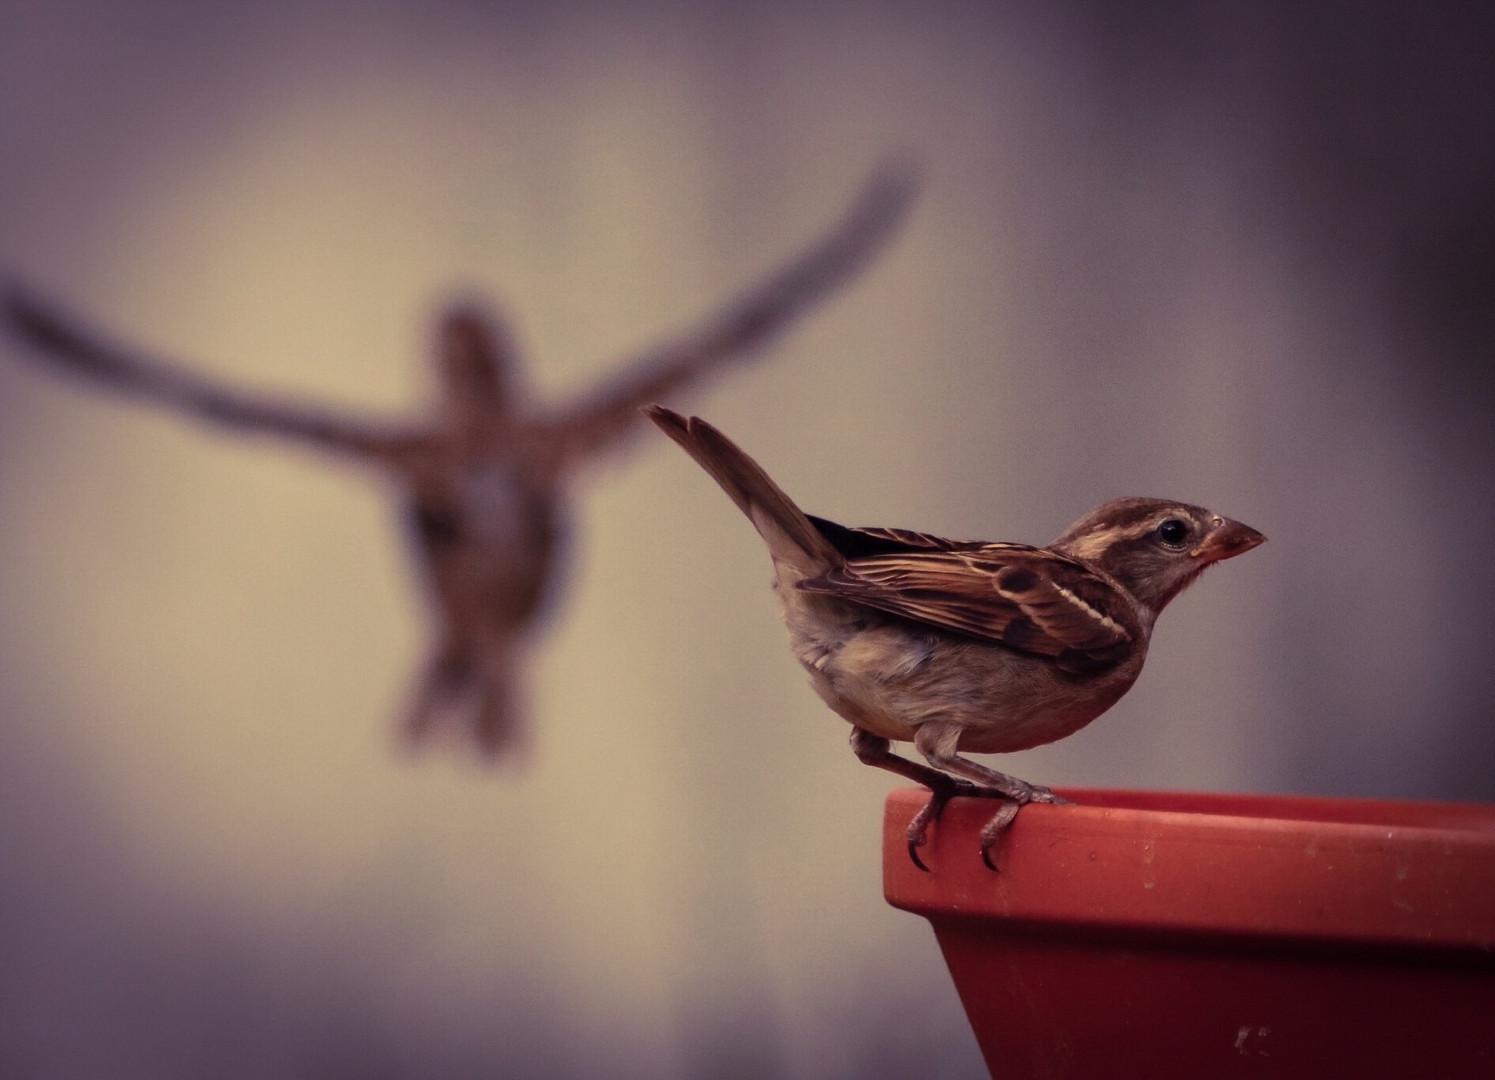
(1397, 874)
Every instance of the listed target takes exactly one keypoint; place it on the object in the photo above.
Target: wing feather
(1030, 599)
(608, 415)
(58, 341)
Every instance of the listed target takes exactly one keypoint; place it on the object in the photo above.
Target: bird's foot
(1021, 794)
(939, 795)
(994, 829)
(918, 828)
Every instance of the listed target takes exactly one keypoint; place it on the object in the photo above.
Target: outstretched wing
(1027, 598)
(59, 341)
(602, 418)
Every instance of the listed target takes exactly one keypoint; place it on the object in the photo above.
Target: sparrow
(484, 482)
(967, 645)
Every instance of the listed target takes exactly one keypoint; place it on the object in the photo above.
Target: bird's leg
(496, 724)
(937, 742)
(874, 750)
(447, 672)
(499, 724)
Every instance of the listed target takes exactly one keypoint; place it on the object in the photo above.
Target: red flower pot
(1162, 934)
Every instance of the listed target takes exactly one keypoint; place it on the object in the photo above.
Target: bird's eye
(1173, 532)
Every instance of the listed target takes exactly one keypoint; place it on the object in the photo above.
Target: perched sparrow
(961, 644)
(484, 483)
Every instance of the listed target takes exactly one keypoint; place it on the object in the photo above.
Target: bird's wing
(601, 419)
(61, 343)
(1027, 598)
(859, 542)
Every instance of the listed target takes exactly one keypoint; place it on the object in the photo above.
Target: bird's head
(1154, 547)
(474, 359)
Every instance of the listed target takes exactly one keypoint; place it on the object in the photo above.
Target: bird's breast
(488, 538)
(500, 508)
(486, 507)
(891, 676)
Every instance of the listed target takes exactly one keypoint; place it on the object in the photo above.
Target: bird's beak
(1225, 540)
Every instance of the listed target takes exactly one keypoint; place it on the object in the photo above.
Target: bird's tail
(793, 540)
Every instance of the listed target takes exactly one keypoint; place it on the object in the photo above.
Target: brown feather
(792, 539)
(1026, 598)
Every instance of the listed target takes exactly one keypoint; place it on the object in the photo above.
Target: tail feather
(792, 538)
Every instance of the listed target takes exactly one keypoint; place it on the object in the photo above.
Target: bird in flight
(484, 480)
(967, 645)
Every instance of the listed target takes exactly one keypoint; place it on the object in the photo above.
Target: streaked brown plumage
(484, 482)
(963, 645)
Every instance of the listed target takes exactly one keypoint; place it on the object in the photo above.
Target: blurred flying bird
(967, 645)
(484, 480)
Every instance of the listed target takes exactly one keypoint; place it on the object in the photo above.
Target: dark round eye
(1173, 532)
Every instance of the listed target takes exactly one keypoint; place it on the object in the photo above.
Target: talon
(986, 858)
(994, 828)
(1044, 795)
(913, 854)
(918, 828)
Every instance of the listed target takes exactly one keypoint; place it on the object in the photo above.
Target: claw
(1044, 795)
(918, 828)
(994, 828)
(913, 854)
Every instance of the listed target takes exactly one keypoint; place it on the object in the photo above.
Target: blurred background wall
(1237, 253)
